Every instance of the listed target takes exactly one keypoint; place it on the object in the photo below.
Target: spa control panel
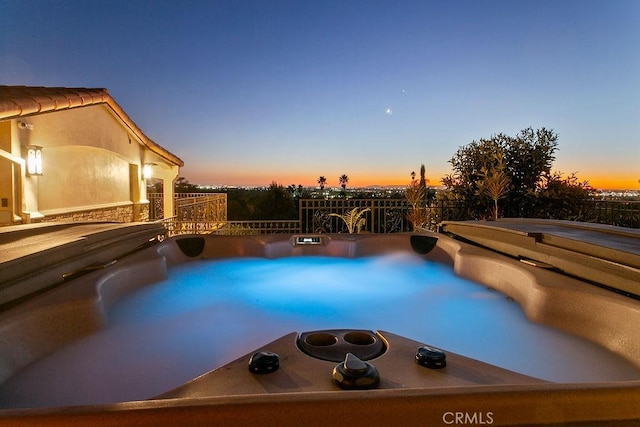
(308, 240)
(334, 360)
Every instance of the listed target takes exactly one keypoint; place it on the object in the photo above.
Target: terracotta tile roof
(20, 101)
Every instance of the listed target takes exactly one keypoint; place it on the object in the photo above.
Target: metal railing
(383, 216)
(156, 206)
(175, 226)
(260, 227)
(318, 216)
(622, 213)
(206, 207)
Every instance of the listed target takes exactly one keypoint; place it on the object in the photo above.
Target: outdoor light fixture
(146, 171)
(34, 160)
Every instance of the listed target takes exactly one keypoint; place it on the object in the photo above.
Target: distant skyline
(250, 92)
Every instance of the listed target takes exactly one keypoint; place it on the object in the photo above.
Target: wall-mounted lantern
(34, 160)
(146, 171)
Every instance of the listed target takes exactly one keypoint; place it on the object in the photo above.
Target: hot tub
(42, 331)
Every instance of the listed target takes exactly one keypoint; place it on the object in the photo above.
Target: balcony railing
(195, 207)
(156, 206)
(621, 213)
(384, 215)
(175, 226)
(200, 216)
(316, 216)
(260, 227)
(208, 207)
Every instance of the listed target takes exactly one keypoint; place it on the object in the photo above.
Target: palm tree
(343, 181)
(322, 181)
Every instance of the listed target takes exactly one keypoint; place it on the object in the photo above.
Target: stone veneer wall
(141, 212)
(128, 213)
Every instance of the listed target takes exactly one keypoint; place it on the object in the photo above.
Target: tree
(296, 191)
(182, 185)
(423, 179)
(322, 181)
(562, 198)
(527, 157)
(343, 180)
(467, 164)
(276, 203)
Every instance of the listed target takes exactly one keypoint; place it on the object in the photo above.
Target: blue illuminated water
(208, 313)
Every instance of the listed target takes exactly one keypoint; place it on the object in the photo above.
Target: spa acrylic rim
(539, 292)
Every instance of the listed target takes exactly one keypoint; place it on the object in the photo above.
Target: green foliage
(419, 197)
(562, 198)
(525, 159)
(495, 183)
(182, 185)
(276, 203)
(242, 204)
(415, 194)
(297, 191)
(353, 219)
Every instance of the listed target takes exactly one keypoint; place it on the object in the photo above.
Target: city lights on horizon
(609, 182)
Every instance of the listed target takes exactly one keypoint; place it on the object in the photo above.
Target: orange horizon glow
(608, 182)
(615, 182)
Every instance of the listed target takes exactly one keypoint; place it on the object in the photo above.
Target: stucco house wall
(93, 158)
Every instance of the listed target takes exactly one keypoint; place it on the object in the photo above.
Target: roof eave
(23, 101)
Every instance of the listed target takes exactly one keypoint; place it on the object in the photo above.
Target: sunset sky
(250, 92)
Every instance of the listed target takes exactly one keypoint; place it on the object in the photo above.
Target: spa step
(35, 257)
(602, 254)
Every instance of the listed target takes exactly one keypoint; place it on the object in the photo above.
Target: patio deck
(603, 254)
(37, 256)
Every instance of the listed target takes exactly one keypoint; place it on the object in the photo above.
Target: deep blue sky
(247, 92)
